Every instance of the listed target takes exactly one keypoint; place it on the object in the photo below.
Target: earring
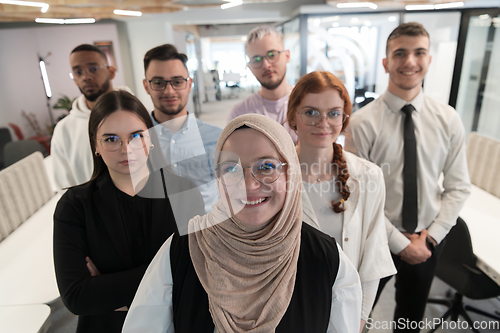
(97, 153)
(151, 147)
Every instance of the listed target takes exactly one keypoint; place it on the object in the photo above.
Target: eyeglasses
(113, 143)
(265, 171)
(91, 70)
(314, 117)
(272, 57)
(160, 84)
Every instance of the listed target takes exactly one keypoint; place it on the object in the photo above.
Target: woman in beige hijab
(250, 265)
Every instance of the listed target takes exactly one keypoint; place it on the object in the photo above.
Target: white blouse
(152, 310)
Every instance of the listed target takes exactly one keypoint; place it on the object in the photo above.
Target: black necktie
(410, 200)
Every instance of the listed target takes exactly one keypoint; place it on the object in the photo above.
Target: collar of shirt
(188, 123)
(395, 103)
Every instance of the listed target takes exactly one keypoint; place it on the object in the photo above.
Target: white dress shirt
(152, 309)
(377, 135)
(190, 153)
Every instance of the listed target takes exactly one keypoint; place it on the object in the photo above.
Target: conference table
(26, 261)
(24, 318)
(481, 212)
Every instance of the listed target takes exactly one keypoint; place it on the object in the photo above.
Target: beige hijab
(249, 272)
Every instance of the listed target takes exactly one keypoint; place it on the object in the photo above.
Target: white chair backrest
(483, 159)
(24, 188)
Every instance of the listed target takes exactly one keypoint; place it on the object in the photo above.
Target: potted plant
(64, 103)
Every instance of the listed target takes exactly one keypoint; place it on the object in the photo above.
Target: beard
(169, 112)
(94, 96)
(271, 85)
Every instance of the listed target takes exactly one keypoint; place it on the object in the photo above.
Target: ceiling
(103, 9)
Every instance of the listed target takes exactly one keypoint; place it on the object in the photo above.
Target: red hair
(315, 83)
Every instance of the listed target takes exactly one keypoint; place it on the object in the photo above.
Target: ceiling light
(419, 7)
(232, 3)
(392, 18)
(449, 5)
(79, 21)
(357, 5)
(65, 21)
(484, 17)
(368, 23)
(127, 12)
(49, 20)
(43, 6)
(354, 20)
(335, 24)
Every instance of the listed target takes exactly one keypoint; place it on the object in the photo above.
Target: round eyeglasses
(265, 171)
(113, 143)
(271, 56)
(160, 84)
(314, 117)
(90, 70)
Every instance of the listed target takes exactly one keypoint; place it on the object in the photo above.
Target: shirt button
(175, 165)
(173, 141)
(346, 239)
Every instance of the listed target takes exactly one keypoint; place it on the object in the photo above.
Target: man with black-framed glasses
(187, 143)
(71, 155)
(267, 60)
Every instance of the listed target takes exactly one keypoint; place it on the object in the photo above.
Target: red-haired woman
(343, 195)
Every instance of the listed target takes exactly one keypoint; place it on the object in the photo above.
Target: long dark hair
(109, 103)
(313, 83)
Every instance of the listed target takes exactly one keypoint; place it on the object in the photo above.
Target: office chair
(5, 137)
(457, 267)
(42, 139)
(17, 150)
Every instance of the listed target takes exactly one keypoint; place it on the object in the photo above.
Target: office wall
(21, 86)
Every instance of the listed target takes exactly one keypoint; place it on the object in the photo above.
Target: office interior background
(349, 42)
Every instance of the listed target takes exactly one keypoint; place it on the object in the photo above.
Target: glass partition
(478, 93)
(351, 47)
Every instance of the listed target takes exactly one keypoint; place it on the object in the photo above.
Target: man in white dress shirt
(383, 132)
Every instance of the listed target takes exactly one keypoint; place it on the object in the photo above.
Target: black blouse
(121, 234)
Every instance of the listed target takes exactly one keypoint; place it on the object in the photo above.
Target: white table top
(481, 212)
(26, 261)
(24, 318)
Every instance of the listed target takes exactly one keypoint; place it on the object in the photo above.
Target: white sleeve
(345, 314)
(369, 289)
(151, 310)
(61, 170)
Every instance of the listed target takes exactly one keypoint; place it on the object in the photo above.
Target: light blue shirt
(190, 154)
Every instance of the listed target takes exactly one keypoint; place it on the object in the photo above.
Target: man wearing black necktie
(414, 139)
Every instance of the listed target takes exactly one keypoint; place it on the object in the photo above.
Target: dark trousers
(413, 283)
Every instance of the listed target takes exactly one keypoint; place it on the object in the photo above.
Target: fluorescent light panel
(357, 5)
(232, 3)
(45, 78)
(43, 6)
(65, 21)
(419, 7)
(127, 12)
(449, 5)
(437, 6)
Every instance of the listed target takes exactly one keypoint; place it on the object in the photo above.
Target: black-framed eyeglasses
(135, 141)
(160, 84)
(266, 171)
(272, 57)
(90, 70)
(314, 117)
